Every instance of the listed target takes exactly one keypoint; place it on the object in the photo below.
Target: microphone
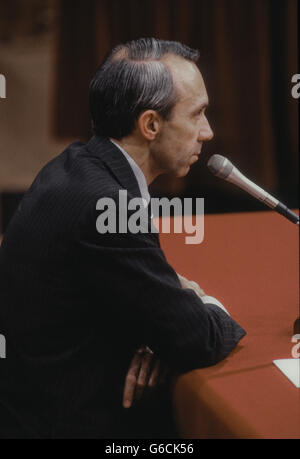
(223, 168)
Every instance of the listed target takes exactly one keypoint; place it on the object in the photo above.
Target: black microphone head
(219, 166)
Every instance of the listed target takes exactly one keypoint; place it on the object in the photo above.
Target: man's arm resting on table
(182, 330)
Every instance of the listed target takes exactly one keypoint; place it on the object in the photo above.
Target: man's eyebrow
(198, 107)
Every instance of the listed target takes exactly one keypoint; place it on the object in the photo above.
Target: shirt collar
(139, 175)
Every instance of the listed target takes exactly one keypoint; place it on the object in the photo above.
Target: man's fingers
(197, 288)
(140, 375)
(131, 381)
(154, 374)
(185, 283)
(143, 376)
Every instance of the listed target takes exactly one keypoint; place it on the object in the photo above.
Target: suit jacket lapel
(103, 148)
(116, 162)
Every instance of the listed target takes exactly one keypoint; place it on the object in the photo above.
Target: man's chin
(179, 172)
(182, 172)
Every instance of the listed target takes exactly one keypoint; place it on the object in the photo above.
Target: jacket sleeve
(129, 273)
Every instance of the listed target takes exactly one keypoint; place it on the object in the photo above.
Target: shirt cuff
(210, 299)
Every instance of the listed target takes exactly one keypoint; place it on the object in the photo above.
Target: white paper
(290, 368)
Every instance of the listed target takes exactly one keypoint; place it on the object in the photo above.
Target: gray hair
(132, 79)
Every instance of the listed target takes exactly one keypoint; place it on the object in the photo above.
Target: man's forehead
(187, 78)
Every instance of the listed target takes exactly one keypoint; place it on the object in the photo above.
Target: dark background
(248, 57)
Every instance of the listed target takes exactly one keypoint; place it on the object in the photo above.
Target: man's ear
(149, 124)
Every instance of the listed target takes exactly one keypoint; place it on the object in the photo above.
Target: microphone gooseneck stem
(237, 178)
(286, 212)
(224, 169)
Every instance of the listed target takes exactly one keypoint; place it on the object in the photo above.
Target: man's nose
(205, 131)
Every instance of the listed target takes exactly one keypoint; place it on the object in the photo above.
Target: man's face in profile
(180, 140)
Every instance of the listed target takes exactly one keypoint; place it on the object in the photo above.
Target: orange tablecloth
(250, 262)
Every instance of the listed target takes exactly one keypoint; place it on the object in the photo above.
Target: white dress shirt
(139, 175)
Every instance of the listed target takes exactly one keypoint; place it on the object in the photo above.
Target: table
(250, 262)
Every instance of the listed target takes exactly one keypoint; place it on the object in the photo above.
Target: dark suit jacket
(76, 304)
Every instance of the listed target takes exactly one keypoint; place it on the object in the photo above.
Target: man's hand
(185, 283)
(145, 372)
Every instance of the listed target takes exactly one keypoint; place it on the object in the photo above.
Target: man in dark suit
(78, 302)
